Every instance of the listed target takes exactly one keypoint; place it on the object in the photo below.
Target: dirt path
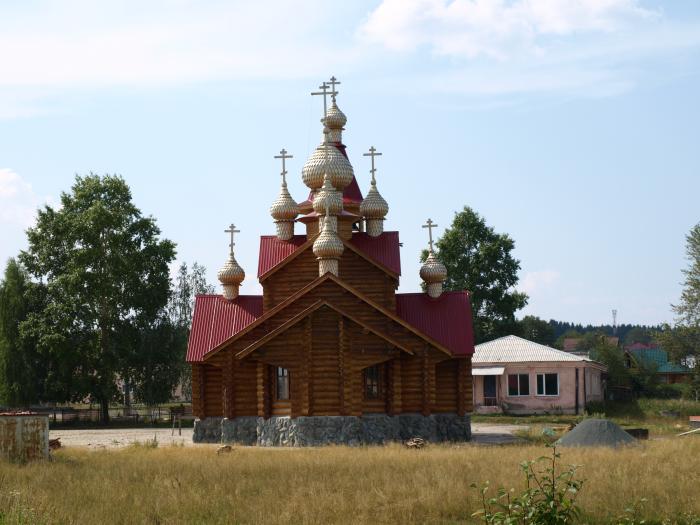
(121, 437)
(483, 434)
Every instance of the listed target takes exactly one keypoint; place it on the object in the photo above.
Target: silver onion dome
(328, 198)
(433, 271)
(328, 245)
(335, 119)
(231, 272)
(374, 206)
(332, 162)
(284, 208)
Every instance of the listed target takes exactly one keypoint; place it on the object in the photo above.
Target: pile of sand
(596, 433)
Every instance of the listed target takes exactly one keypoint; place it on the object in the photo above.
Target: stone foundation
(328, 430)
(207, 430)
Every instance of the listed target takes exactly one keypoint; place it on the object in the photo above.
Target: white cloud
(535, 282)
(484, 48)
(493, 28)
(93, 44)
(18, 201)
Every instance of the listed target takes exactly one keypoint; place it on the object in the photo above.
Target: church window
(282, 384)
(373, 382)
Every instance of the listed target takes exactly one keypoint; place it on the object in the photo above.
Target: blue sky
(571, 125)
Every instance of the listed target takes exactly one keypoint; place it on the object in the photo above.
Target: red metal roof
(273, 251)
(447, 319)
(384, 249)
(216, 319)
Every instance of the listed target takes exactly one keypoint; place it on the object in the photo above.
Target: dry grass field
(390, 484)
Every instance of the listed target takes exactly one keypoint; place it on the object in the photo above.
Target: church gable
(345, 300)
(375, 272)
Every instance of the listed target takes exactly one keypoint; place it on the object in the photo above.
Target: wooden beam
(425, 383)
(263, 390)
(342, 374)
(228, 387)
(395, 386)
(462, 378)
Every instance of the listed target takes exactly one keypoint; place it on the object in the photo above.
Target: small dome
(328, 245)
(231, 272)
(335, 119)
(433, 271)
(336, 165)
(328, 197)
(373, 205)
(284, 208)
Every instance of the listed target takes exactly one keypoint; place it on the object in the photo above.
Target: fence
(133, 414)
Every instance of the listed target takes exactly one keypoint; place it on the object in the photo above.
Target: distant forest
(560, 328)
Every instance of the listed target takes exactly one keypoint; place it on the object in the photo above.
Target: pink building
(517, 376)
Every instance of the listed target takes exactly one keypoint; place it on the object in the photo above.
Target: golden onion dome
(374, 206)
(328, 198)
(284, 208)
(231, 272)
(332, 162)
(433, 271)
(335, 119)
(328, 245)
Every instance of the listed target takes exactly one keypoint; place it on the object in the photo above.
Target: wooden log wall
(354, 270)
(212, 389)
(446, 386)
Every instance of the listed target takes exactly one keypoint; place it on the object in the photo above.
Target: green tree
(612, 357)
(22, 369)
(480, 260)
(538, 330)
(682, 341)
(638, 335)
(106, 274)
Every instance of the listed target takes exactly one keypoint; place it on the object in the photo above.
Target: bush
(548, 499)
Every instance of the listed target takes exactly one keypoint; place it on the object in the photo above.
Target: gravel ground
(483, 433)
(120, 437)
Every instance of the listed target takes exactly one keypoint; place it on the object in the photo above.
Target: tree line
(90, 304)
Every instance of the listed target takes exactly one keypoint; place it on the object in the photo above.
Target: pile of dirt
(596, 433)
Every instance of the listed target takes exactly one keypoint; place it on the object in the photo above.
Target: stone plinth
(373, 429)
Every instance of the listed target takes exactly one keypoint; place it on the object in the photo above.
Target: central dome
(336, 165)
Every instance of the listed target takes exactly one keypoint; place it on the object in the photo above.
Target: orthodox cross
(333, 82)
(283, 155)
(232, 230)
(372, 153)
(430, 225)
(324, 91)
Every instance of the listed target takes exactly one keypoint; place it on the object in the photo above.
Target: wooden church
(330, 353)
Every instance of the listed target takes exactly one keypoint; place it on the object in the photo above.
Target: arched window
(282, 384)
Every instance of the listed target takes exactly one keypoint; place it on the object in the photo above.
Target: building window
(518, 385)
(373, 382)
(547, 384)
(282, 384)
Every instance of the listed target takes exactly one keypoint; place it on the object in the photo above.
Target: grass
(146, 484)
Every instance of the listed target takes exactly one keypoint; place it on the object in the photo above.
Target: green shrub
(548, 499)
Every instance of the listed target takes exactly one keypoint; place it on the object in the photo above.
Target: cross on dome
(333, 82)
(372, 153)
(430, 225)
(283, 155)
(324, 91)
(232, 230)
